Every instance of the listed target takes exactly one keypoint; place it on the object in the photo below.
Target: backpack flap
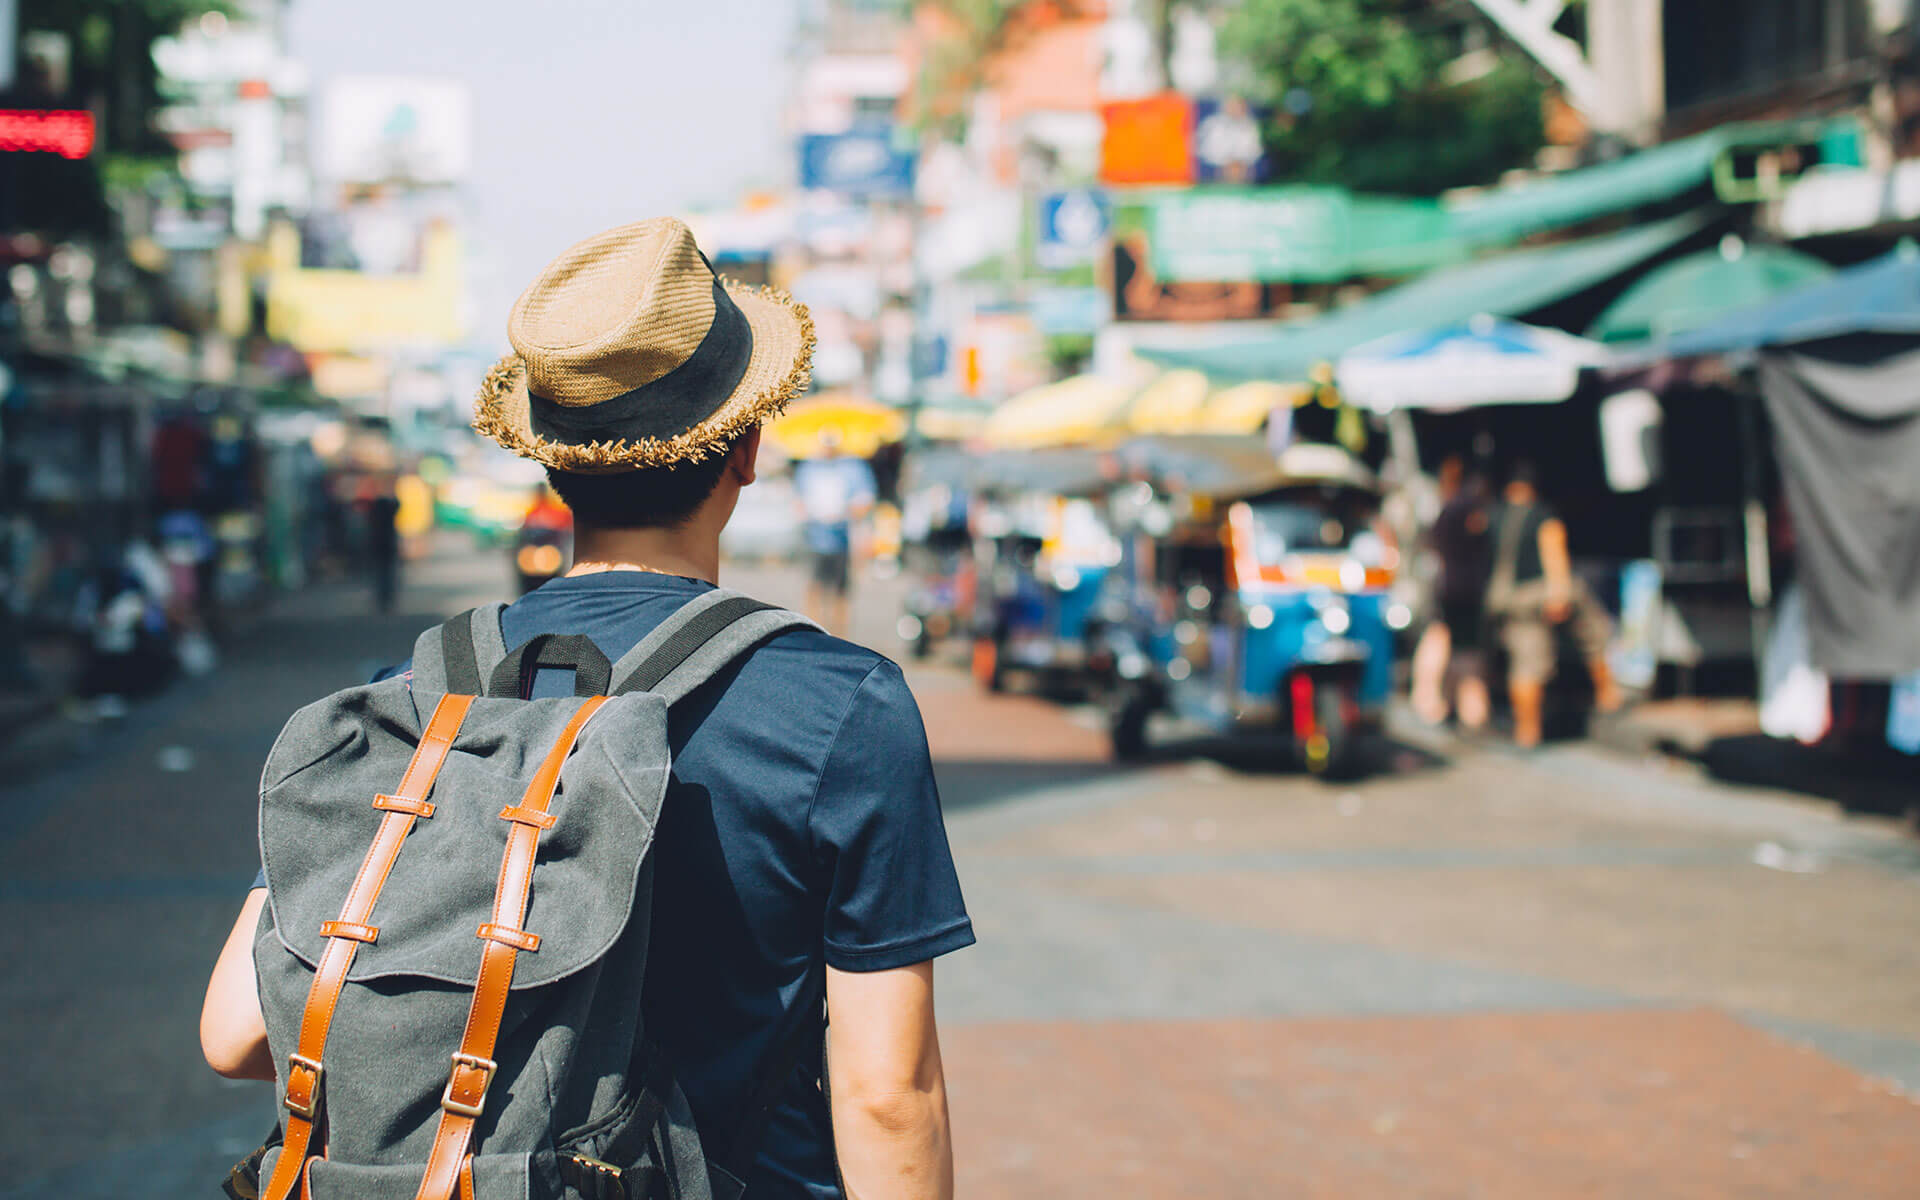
(317, 818)
(495, 1177)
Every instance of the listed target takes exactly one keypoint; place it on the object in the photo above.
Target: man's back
(802, 825)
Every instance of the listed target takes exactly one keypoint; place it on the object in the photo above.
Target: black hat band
(668, 406)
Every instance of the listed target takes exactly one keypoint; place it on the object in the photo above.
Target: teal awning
(1505, 215)
(1506, 285)
(1691, 291)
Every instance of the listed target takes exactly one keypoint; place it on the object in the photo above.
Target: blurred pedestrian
(834, 491)
(383, 543)
(1531, 593)
(799, 864)
(1450, 645)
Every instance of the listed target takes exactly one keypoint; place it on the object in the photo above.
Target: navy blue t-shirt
(801, 825)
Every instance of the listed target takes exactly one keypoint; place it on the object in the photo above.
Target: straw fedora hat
(630, 352)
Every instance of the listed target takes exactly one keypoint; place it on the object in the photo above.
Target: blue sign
(929, 356)
(862, 163)
(1072, 227)
(1059, 310)
(1226, 141)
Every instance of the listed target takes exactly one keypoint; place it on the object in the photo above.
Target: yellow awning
(861, 425)
(1079, 409)
(1170, 404)
(1245, 407)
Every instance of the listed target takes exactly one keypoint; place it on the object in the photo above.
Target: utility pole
(1620, 86)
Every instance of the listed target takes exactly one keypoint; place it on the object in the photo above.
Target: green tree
(1360, 97)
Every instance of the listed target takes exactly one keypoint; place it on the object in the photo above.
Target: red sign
(66, 132)
(1147, 141)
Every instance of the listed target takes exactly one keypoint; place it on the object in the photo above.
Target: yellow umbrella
(1170, 404)
(1245, 408)
(861, 425)
(950, 424)
(1079, 409)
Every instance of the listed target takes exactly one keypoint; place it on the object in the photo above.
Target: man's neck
(690, 551)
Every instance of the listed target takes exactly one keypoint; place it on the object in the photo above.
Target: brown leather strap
(305, 1066)
(473, 1066)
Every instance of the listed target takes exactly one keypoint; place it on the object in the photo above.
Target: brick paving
(1635, 1105)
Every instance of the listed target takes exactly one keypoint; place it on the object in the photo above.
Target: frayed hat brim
(779, 370)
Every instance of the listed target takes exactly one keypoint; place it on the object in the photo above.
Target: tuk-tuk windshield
(1307, 523)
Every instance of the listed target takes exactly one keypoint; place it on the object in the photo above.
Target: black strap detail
(456, 654)
(740, 1151)
(514, 675)
(685, 641)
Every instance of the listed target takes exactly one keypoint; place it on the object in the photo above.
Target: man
(835, 491)
(800, 852)
(1450, 644)
(383, 543)
(1532, 591)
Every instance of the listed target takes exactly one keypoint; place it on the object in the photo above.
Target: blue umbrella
(1487, 360)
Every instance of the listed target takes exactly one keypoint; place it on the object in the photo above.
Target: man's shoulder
(814, 658)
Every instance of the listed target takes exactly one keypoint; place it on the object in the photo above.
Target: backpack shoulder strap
(699, 641)
(459, 656)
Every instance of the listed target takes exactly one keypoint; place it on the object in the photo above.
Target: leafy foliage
(956, 63)
(1360, 97)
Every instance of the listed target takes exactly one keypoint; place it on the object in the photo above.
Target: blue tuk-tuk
(1044, 550)
(936, 537)
(1259, 599)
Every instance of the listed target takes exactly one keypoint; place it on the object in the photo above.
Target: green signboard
(1292, 234)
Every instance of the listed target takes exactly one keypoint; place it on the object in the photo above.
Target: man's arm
(1558, 567)
(889, 1095)
(233, 1034)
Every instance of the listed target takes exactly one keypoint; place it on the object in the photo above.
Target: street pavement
(1473, 974)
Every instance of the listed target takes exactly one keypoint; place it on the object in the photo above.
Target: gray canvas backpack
(459, 898)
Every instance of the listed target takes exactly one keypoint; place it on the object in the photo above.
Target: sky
(586, 113)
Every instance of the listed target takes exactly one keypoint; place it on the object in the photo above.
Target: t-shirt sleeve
(893, 898)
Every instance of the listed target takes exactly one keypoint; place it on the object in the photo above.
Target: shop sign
(1291, 234)
(1147, 141)
(1073, 224)
(1071, 310)
(68, 133)
(1226, 142)
(862, 163)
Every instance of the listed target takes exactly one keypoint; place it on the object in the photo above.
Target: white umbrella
(1487, 360)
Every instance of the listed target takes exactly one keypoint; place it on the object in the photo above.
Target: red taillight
(1300, 688)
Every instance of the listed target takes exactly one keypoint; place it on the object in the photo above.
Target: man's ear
(743, 459)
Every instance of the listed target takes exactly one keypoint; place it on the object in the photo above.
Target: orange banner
(1147, 141)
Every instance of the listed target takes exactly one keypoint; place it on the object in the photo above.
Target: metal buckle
(595, 1179)
(485, 1066)
(303, 1108)
(596, 1166)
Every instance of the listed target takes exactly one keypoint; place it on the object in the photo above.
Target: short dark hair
(647, 498)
